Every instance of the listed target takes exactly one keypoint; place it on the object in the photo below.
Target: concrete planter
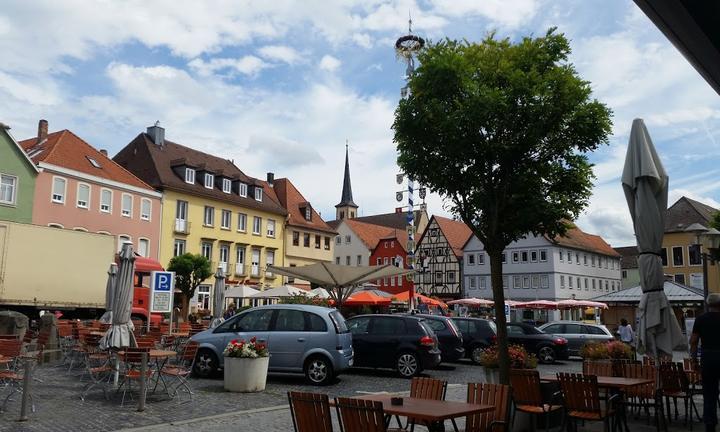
(245, 374)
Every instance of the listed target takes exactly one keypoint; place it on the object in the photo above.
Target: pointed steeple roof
(347, 199)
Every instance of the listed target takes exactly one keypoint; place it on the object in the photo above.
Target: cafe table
(427, 411)
(160, 357)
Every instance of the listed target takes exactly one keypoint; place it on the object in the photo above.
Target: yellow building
(308, 239)
(680, 254)
(210, 207)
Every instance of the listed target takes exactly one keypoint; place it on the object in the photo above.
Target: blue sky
(279, 86)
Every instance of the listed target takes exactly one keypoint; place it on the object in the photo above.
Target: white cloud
(248, 65)
(281, 53)
(329, 63)
(363, 39)
(507, 13)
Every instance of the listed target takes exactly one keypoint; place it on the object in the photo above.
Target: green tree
(715, 221)
(501, 131)
(190, 270)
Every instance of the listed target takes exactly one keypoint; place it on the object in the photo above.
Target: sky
(281, 86)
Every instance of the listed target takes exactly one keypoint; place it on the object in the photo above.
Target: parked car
(477, 334)
(402, 342)
(546, 347)
(312, 340)
(578, 333)
(451, 340)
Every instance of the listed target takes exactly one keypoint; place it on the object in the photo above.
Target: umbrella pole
(116, 371)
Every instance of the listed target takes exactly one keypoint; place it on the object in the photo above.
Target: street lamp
(707, 239)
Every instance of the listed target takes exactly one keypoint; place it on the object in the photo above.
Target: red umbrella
(570, 304)
(472, 302)
(367, 298)
(538, 304)
(405, 295)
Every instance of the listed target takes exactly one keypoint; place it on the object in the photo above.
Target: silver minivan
(307, 339)
(578, 333)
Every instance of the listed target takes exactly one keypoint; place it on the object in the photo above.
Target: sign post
(507, 312)
(162, 290)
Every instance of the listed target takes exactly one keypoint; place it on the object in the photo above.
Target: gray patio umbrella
(120, 333)
(645, 184)
(218, 298)
(109, 294)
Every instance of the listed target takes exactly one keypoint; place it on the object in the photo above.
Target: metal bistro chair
(132, 359)
(181, 370)
(310, 412)
(528, 396)
(359, 415)
(582, 400)
(424, 388)
(497, 395)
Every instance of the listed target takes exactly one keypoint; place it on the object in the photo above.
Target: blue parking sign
(162, 281)
(161, 291)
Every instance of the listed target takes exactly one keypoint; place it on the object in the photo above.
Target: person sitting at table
(705, 331)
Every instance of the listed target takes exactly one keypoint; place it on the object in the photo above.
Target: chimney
(157, 134)
(104, 152)
(270, 178)
(42, 131)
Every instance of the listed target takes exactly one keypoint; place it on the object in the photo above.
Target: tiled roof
(293, 201)
(153, 163)
(369, 234)
(577, 239)
(629, 257)
(456, 233)
(686, 212)
(67, 150)
(397, 220)
(674, 291)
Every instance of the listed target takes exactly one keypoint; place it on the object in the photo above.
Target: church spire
(347, 207)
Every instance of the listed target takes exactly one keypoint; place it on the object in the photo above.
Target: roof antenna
(157, 123)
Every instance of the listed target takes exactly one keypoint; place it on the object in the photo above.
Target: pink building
(81, 188)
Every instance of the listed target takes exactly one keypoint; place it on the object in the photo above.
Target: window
(569, 260)
(258, 194)
(347, 239)
(607, 286)
(386, 261)
(680, 278)
(451, 277)
(677, 256)
(593, 284)
(106, 201)
(481, 258)
(562, 255)
(570, 282)
(526, 282)
(483, 282)
(306, 240)
(535, 281)
(189, 175)
(473, 282)
(242, 222)
(327, 243)
(289, 320)
(227, 185)
(438, 277)
(543, 255)
(379, 261)
(240, 258)
(388, 326)
(126, 205)
(624, 274)
(255, 263)
(337, 260)
(524, 256)
(504, 258)
(58, 191)
(122, 238)
(347, 260)
(586, 284)
(585, 259)
(83, 195)
(269, 260)
(505, 282)
(209, 180)
(209, 216)
(562, 281)
(517, 282)
(592, 260)
(145, 209)
(533, 256)
(270, 228)
(471, 259)
(694, 255)
(296, 238)
(242, 190)
(577, 258)
(179, 247)
(359, 325)
(664, 257)
(257, 225)
(225, 217)
(308, 213)
(207, 250)
(253, 321)
(317, 241)
(516, 257)
(359, 260)
(144, 247)
(338, 240)
(578, 284)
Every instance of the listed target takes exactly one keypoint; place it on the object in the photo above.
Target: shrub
(519, 358)
(619, 350)
(594, 351)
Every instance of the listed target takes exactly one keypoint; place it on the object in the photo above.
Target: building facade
(80, 188)
(390, 249)
(17, 180)
(630, 272)
(576, 266)
(439, 255)
(356, 241)
(210, 207)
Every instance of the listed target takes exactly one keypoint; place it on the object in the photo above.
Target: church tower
(346, 209)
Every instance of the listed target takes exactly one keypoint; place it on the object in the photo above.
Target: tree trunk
(184, 306)
(496, 278)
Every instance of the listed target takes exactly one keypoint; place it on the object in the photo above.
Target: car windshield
(532, 330)
(339, 322)
(427, 328)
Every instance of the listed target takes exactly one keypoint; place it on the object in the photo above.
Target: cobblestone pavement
(59, 407)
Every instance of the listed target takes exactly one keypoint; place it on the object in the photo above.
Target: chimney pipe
(157, 134)
(42, 131)
(104, 152)
(270, 178)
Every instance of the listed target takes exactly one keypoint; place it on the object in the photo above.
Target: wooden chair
(528, 397)
(582, 399)
(598, 368)
(497, 395)
(674, 384)
(645, 396)
(425, 388)
(359, 415)
(310, 412)
(12, 349)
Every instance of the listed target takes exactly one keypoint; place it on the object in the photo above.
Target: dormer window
(227, 185)
(242, 190)
(209, 181)
(189, 175)
(308, 213)
(258, 194)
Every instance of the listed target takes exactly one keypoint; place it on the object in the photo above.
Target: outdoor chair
(527, 396)
(132, 359)
(359, 415)
(13, 380)
(598, 368)
(310, 412)
(424, 388)
(181, 370)
(145, 341)
(497, 395)
(582, 400)
(11, 349)
(645, 396)
(674, 384)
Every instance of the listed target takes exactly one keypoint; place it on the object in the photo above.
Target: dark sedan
(477, 334)
(546, 347)
(450, 338)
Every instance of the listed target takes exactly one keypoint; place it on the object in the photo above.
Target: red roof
(456, 233)
(67, 150)
(293, 201)
(399, 235)
(578, 239)
(369, 234)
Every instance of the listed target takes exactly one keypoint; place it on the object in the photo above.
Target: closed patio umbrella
(120, 333)
(109, 294)
(645, 184)
(218, 298)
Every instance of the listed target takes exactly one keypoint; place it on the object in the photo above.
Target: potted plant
(246, 365)
(519, 359)
(594, 351)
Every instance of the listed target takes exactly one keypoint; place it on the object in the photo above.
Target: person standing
(626, 332)
(705, 331)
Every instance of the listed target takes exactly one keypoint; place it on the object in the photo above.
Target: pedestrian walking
(626, 332)
(705, 331)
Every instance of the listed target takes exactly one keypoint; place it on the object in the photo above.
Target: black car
(449, 336)
(477, 334)
(401, 342)
(546, 347)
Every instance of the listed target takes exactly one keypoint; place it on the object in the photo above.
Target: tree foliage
(501, 131)
(190, 270)
(715, 221)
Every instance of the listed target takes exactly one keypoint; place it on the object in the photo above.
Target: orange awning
(366, 298)
(405, 295)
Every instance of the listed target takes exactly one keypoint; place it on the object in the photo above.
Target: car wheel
(408, 365)
(546, 355)
(475, 354)
(319, 370)
(206, 363)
